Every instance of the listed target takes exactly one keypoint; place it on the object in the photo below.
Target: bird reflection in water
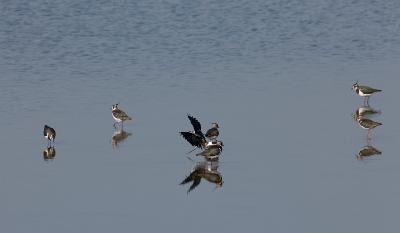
(119, 136)
(204, 170)
(364, 111)
(367, 151)
(49, 153)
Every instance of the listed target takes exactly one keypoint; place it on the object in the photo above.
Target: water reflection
(49, 153)
(364, 111)
(362, 115)
(119, 136)
(367, 151)
(204, 170)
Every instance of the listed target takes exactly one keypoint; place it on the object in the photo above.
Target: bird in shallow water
(50, 134)
(204, 170)
(213, 132)
(364, 91)
(49, 153)
(367, 151)
(119, 115)
(368, 124)
(212, 151)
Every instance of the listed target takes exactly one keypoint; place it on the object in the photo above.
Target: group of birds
(361, 115)
(208, 142)
(211, 150)
(119, 117)
(211, 147)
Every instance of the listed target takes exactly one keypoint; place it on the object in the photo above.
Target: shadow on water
(49, 153)
(119, 136)
(204, 170)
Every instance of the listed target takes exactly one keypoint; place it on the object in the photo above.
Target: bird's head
(355, 86)
(114, 107)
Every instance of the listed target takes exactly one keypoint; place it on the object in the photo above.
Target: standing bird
(50, 134)
(212, 152)
(364, 91)
(367, 124)
(119, 115)
(213, 132)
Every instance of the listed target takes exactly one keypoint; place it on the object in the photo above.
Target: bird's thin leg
(368, 141)
(368, 101)
(122, 125)
(369, 135)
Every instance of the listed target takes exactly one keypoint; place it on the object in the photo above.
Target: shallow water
(276, 75)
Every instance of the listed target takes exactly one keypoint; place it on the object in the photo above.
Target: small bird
(119, 115)
(213, 132)
(364, 91)
(368, 124)
(49, 133)
(207, 171)
(49, 153)
(212, 152)
(367, 151)
(195, 138)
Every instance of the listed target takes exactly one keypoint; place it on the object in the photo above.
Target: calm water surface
(276, 75)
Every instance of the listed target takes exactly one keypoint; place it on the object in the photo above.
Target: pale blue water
(276, 75)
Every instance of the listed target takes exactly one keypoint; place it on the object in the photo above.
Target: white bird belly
(116, 119)
(362, 94)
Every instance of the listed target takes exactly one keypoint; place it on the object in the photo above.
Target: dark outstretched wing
(196, 182)
(187, 179)
(193, 139)
(196, 125)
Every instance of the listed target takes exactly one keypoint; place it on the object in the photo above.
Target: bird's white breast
(116, 119)
(362, 94)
